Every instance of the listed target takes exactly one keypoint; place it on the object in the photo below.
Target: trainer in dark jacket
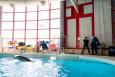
(94, 43)
(86, 44)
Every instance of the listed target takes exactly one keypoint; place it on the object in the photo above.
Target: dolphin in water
(22, 58)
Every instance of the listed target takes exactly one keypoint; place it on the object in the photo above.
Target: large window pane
(55, 4)
(55, 33)
(55, 23)
(7, 34)
(7, 9)
(43, 34)
(7, 17)
(19, 16)
(32, 16)
(87, 9)
(19, 34)
(83, 1)
(32, 8)
(31, 25)
(31, 33)
(31, 42)
(43, 14)
(55, 13)
(43, 24)
(19, 25)
(19, 8)
(7, 25)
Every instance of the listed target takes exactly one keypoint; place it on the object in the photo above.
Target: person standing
(94, 43)
(86, 45)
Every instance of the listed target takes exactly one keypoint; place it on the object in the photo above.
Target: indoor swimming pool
(54, 66)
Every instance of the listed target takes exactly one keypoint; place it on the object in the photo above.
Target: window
(31, 23)
(44, 15)
(43, 34)
(19, 25)
(55, 23)
(7, 17)
(7, 25)
(55, 13)
(43, 24)
(7, 34)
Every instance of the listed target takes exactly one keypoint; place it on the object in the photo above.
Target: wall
(93, 19)
(1, 38)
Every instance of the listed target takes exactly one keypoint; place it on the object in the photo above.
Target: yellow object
(29, 49)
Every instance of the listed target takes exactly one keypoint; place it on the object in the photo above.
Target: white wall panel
(85, 29)
(71, 33)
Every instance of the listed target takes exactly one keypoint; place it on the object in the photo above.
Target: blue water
(46, 67)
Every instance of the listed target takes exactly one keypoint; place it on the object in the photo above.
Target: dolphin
(22, 58)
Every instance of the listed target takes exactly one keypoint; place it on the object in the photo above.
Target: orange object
(52, 47)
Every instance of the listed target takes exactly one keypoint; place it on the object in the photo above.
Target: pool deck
(62, 54)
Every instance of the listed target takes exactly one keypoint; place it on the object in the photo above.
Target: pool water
(48, 67)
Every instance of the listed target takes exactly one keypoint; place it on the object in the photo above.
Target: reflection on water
(10, 67)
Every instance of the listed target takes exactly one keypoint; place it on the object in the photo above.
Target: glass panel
(55, 23)
(43, 24)
(69, 2)
(32, 16)
(55, 4)
(55, 13)
(19, 34)
(84, 1)
(19, 16)
(32, 7)
(7, 25)
(7, 17)
(68, 12)
(43, 34)
(55, 33)
(7, 34)
(44, 15)
(44, 7)
(31, 42)
(19, 25)
(7, 9)
(19, 8)
(31, 33)
(87, 9)
(31, 25)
